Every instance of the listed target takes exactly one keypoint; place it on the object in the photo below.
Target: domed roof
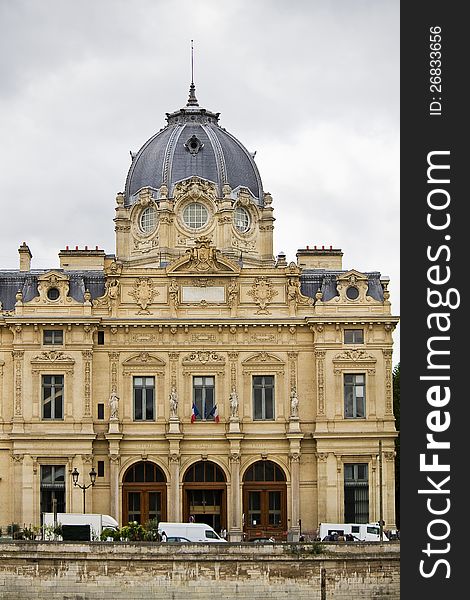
(192, 143)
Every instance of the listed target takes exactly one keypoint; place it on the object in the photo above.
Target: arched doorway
(204, 495)
(265, 501)
(143, 493)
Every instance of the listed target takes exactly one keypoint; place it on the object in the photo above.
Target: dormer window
(194, 144)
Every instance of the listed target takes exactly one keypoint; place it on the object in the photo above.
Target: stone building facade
(198, 375)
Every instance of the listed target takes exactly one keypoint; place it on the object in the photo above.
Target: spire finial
(192, 100)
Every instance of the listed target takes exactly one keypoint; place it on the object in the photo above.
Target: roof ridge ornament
(192, 100)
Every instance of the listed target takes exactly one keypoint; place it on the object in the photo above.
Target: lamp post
(76, 475)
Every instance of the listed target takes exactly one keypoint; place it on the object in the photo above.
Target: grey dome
(192, 143)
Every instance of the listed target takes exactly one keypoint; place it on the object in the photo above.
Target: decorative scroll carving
(87, 357)
(388, 382)
(320, 359)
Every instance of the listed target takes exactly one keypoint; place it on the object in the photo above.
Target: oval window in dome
(241, 219)
(195, 215)
(148, 219)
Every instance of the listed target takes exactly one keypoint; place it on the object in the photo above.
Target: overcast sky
(311, 85)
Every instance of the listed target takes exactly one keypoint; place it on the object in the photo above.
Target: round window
(241, 219)
(195, 215)
(148, 219)
(352, 293)
(53, 293)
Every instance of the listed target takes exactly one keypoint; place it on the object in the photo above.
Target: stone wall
(141, 571)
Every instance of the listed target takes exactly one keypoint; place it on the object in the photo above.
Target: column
(173, 502)
(235, 532)
(295, 494)
(114, 464)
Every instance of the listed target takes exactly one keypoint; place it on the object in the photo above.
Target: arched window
(205, 494)
(144, 493)
(265, 501)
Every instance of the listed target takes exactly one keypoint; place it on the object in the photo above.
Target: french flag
(214, 413)
(194, 414)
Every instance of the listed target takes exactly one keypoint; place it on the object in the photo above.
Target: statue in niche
(114, 406)
(173, 398)
(294, 403)
(233, 403)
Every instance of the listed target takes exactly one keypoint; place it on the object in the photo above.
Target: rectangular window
(52, 488)
(354, 396)
(263, 397)
(144, 398)
(100, 410)
(100, 468)
(204, 397)
(53, 397)
(353, 336)
(356, 493)
(54, 337)
(100, 338)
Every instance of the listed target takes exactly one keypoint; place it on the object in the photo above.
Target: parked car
(178, 539)
(262, 540)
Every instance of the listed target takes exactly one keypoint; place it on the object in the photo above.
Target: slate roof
(166, 158)
(27, 282)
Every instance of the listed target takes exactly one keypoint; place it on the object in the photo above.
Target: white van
(364, 532)
(78, 526)
(193, 532)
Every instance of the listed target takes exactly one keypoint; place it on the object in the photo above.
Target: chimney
(25, 257)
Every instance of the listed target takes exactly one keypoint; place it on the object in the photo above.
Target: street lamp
(75, 476)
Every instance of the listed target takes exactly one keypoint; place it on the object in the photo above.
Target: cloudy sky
(311, 85)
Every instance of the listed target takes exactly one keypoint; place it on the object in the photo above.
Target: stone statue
(294, 403)
(233, 402)
(173, 403)
(114, 406)
(173, 293)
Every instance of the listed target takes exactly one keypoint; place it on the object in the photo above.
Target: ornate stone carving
(203, 357)
(143, 293)
(110, 298)
(232, 293)
(53, 356)
(294, 295)
(355, 355)
(173, 293)
(194, 189)
(262, 293)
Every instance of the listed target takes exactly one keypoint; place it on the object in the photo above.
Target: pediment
(53, 356)
(53, 277)
(352, 277)
(355, 356)
(263, 358)
(144, 359)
